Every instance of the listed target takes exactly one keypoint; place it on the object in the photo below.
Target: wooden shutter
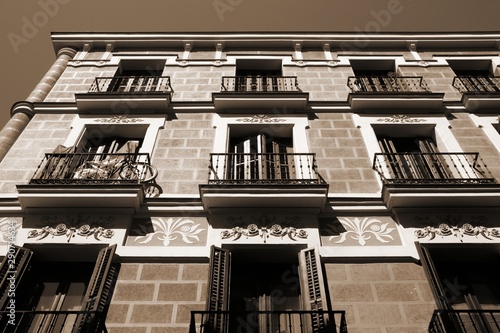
(218, 291)
(432, 275)
(98, 292)
(17, 260)
(312, 287)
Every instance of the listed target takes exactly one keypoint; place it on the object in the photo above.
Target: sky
(26, 51)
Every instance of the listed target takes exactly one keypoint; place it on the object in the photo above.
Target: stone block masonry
(43, 133)
(341, 154)
(157, 297)
(182, 153)
(381, 297)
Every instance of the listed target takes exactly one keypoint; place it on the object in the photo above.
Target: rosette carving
(466, 229)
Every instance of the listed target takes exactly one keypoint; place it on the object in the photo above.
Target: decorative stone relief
(265, 226)
(74, 225)
(362, 231)
(460, 226)
(158, 231)
(8, 229)
(253, 230)
(118, 119)
(400, 118)
(62, 230)
(260, 119)
(458, 232)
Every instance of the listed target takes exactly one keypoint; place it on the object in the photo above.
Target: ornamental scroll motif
(260, 119)
(400, 118)
(119, 119)
(62, 230)
(265, 226)
(467, 229)
(74, 225)
(264, 232)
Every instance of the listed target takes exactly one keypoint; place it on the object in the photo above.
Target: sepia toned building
(255, 182)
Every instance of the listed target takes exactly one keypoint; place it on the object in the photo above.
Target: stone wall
(381, 297)
(182, 152)
(154, 298)
(341, 154)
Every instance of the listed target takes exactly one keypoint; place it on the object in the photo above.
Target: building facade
(255, 182)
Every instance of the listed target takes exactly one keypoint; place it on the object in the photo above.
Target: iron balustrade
(131, 84)
(432, 168)
(465, 321)
(477, 84)
(387, 84)
(52, 321)
(263, 168)
(93, 168)
(260, 84)
(289, 321)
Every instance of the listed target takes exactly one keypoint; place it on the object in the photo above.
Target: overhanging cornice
(280, 40)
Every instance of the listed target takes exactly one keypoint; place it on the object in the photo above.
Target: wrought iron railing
(131, 84)
(289, 321)
(263, 168)
(52, 321)
(477, 84)
(90, 168)
(431, 168)
(260, 84)
(387, 84)
(465, 321)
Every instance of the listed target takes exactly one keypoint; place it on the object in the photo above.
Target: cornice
(274, 40)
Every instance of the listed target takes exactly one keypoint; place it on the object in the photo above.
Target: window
(374, 75)
(414, 157)
(464, 280)
(51, 295)
(249, 282)
(137, 76)
(474, 76)
(261, 156)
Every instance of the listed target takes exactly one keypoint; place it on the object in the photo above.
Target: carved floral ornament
(445, 230)
(118, 119)
(401, 118)
(74, 225)
(264, 232)
(62, 230)
(265, 226)
(260, 119)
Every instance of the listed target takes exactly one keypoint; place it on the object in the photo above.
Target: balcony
(88, 180)
(268, 321)
(260, 92)
(127, 93)
(465, 321)
(478, 92)
(391, 92)
(434, 179)
(264, 180)
(52, 321)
